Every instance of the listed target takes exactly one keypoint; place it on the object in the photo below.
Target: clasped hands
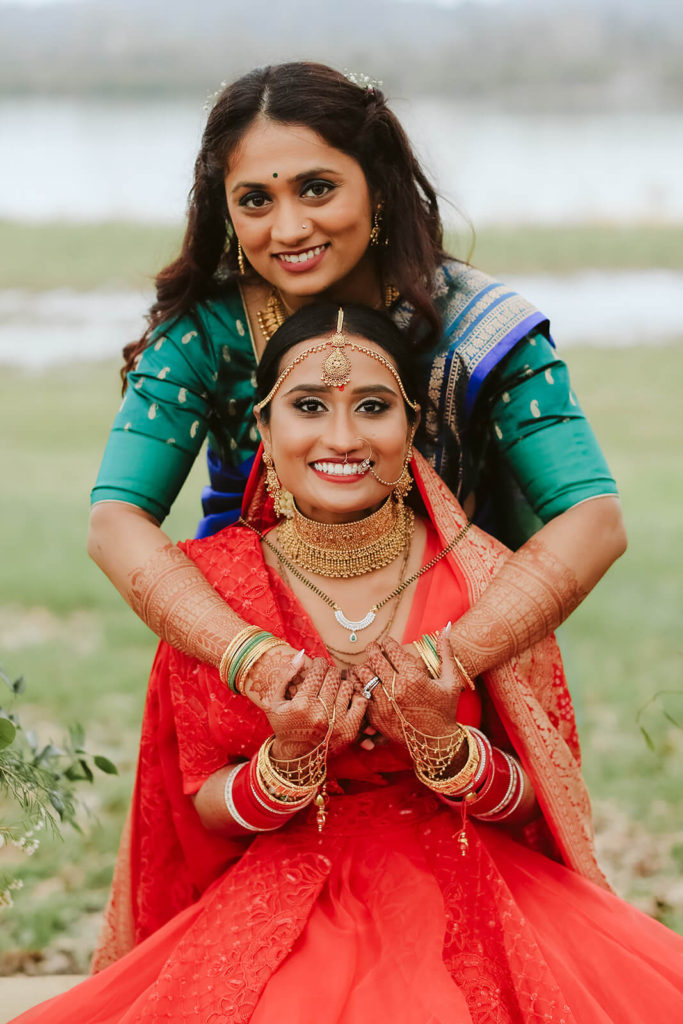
(308, 701)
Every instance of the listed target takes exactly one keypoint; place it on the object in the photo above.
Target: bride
(391, 840)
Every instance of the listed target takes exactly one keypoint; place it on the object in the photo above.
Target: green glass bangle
(240, 654)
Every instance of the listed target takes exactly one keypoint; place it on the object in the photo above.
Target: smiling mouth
(342, 468)
(301, 257)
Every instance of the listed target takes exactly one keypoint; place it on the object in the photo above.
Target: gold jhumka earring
(240, 259)
(376, 230)
(282, 499)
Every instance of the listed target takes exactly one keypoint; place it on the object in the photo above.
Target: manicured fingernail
(447, 628)
(298, 659)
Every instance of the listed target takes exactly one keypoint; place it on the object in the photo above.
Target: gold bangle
(268, 643)
(247, 633)
(454, 784)
(432, 663)
(463, 671)
(298, 787)
(426, 647)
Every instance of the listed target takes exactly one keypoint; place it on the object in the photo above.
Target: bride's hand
(429, 705)
(302, 722)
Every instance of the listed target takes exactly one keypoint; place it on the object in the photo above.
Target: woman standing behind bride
(306, 188)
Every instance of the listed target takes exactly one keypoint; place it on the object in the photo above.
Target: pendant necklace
(353, 626)
(390, 621)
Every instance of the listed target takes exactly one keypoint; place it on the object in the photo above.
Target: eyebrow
(314, 172)
(366, 389)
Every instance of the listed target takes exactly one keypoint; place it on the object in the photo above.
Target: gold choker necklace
(341, 550)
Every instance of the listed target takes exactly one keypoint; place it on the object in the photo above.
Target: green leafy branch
(39, 779)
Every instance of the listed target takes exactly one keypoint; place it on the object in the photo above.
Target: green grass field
(86, 657)
(83, 256)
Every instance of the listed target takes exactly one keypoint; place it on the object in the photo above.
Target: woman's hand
(302, 722)
(429, 705)
(277, 667)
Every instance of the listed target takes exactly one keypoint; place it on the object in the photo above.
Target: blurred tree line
(554, 54)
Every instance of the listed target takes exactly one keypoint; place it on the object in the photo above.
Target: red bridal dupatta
(380, 917)
(167, 859)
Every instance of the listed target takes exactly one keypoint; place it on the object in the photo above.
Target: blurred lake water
(92, 160)
(594, 308)
(87, 160)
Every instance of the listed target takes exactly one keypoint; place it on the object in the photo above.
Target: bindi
(275, 174)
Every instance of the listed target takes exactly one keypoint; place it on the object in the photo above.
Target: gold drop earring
(376, 230)
(282, 500)
(240, 259)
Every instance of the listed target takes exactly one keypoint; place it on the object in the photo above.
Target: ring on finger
(370, 686)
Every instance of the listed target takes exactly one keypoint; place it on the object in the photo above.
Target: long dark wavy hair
(351, 118)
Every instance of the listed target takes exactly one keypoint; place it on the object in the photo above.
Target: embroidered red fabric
(380, 917)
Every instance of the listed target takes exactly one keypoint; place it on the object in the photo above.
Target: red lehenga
(380, 918)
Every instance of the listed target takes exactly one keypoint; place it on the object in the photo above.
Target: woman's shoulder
(212, 322)
(457, 285)
(481, 314)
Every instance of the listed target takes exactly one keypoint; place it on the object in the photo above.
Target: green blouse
(198, 376)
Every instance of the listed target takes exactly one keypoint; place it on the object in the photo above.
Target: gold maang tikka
(337, 366)
(336, 370)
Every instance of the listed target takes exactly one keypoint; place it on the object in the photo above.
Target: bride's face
(301, 208)
(319, 436)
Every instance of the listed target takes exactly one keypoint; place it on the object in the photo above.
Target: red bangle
(481, 777)
(249, 805)
(511, 798)
(498, 786)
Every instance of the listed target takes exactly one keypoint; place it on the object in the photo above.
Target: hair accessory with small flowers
(210, 101)
(362, 80)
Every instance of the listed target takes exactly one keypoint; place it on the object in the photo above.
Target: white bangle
(515, 777)
(229, 802)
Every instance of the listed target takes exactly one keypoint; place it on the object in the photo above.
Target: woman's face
(301, 210)
(320, 436)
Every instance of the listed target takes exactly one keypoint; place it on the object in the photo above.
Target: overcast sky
(441, 3)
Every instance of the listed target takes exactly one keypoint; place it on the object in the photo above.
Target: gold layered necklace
(273, 315)
(342, 550)
(355, 626)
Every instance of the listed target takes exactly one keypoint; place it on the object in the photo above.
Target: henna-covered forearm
(531, 595)
(176, 601)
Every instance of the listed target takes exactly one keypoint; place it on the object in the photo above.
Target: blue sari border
(489, 362)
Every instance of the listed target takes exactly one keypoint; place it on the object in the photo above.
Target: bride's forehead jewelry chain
(336, 369)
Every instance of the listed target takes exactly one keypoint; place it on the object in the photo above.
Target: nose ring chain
(367, 463)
